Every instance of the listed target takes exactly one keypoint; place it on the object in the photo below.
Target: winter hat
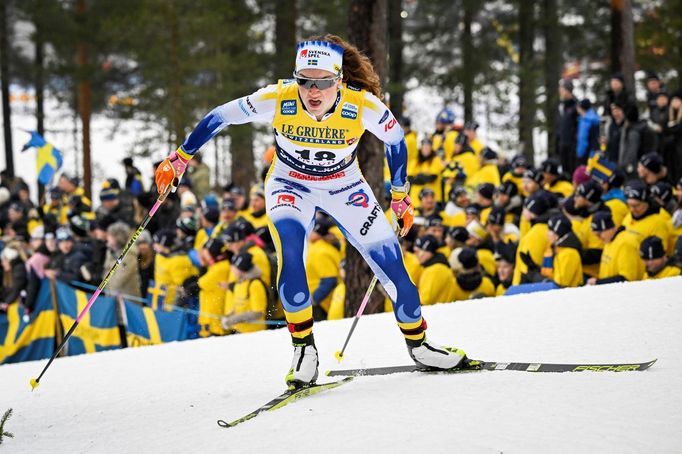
(602, 220)
(434, 220)
(257, 190)
(616, 179)
(471, 125)
(319, 55)
(551, 166)
(651, 248)
(476, 230)
(486, 190)
(569, 206)
(233, 234)
(509, 188)
(636, 189)
(128, 162)
(536, 204)
(585, 104)
(505, 251)
(9, 254)
(462, 259)
(405, 122)
(243, 262)
(165, 237)
(109, 194)
(145, 237)
(217, 248)
(237, 190)
(245, 226)
(5, 195)
(632, 113)
(64, 234)
(560, 225)
(534, 175)
(591, 190)
(651, 75)
(38, 232)
(187, 225)
(445, 116)
(580, 175)
(662, 190)
(519, 161)
(473, 210)
(652, 161)
(496, 216)
(111, 183)
(322, 225)
(488, 154)
(427, 243)
(460, 234)
(567, 84)
(185, 181)
(618, 76)
(228, 204)
(79, 225)
(211, 214)
(456, 191)
(426, 191)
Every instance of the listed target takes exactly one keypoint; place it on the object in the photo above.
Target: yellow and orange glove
(170, 171)
(401, 204)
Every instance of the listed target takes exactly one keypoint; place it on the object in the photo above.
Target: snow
(167, 398)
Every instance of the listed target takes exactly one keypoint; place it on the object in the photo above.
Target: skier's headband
(319, 55)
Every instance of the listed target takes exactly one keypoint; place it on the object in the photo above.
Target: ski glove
(170, 171)
(401, 204)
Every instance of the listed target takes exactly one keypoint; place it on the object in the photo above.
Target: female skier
(318, 118)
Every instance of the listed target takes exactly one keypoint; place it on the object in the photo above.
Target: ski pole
(368, 293)
(361, 309)
(36, 381)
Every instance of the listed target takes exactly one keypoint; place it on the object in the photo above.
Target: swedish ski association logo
(358, 199)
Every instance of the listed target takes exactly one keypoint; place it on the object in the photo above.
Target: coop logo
(364, 230)
(286, 198)
(349, 110)
(288, 107)
(313, 134)
(358, 199)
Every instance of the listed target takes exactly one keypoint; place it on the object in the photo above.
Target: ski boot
(431, 356)
(303, 370)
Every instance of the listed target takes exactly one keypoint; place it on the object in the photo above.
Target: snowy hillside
(168, 398)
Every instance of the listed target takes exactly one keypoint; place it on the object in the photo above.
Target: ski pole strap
(414, 331)
(298, 327)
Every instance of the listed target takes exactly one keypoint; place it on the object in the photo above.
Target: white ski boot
(303, 370)
(431, 356)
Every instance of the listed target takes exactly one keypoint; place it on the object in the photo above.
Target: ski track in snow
(167, 398)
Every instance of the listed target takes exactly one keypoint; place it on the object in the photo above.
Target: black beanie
(243, 261)
(602, 220)
(459, 233)
(651, 248)
(636, 189)
(496, 216)
(468, 258)
(591, 190)
(652, 161)
(427, 243)
(487, 190)
(536, 204)
(560, 225)
(509, 188)
(534, 175)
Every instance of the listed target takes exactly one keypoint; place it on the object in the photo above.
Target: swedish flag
(98, 329)
(147, 326)
(48, 160)
(156, 296)
(22, 340)
(599, 167)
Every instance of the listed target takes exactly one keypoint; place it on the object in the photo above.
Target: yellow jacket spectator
(483, 245)
(469, 131)
(613, 195)
(553, 180)
(337, 307)
(425, 172)
(488, 171)
(247, 303)
(436, 283)
(645, 218)
(410, 140)
(656, 263)
(469, 280)
(213, 287)
(453, 177)
(485, 192)
(171, 269)
(235, 236)
(444, 137)
(565, 267)
(507, 198)
(322, 267)
(465, 158)
(620, 260)
(499, 229)
(519, 165)
(532, 247)
(504, 260)
(588, 199)
(210, 217)
(256, 212)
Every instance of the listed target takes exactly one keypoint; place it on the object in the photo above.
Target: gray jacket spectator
(127, 278)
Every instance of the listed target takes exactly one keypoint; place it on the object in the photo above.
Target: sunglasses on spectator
(321, 84)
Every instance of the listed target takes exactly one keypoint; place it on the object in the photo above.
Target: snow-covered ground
(168, 398)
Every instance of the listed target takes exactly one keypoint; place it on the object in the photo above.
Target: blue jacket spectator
(588, 130)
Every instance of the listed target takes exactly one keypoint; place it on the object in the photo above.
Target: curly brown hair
(357, 68)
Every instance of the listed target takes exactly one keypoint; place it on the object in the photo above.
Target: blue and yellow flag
(32, 339)
(147, 326)
(599, 167)
(98, 329)
(156, 295)
(48, 159)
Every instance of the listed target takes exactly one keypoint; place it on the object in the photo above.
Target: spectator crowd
(606, 208)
